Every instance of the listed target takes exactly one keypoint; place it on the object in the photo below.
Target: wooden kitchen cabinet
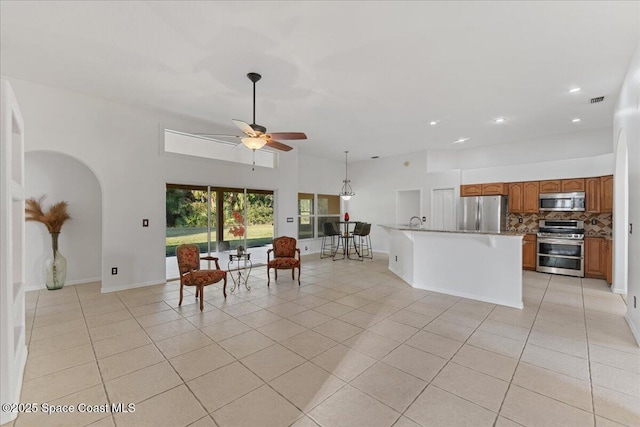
(516, 196)
(494, 189)
(551, 186)
(608, 254)
(531, 192)
(606, 194)
(529, 251)
(592, 187)
(594, 257)
(490, 189)
(570, 185)
(471, 190)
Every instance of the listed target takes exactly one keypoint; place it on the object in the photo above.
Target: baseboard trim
(132, 286)
(634, 330)
(70, 283)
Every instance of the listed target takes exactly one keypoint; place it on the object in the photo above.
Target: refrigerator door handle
(479, 214)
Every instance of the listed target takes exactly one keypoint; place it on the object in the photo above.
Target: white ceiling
(366, 77)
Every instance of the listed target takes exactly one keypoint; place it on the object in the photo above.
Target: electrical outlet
(396, 258)
(520, 220)
(145, 222)
(114, 270)
(424, 219)
(306, 248)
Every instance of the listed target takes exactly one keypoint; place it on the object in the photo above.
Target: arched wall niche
(63, 177)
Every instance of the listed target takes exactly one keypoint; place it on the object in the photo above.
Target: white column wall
(121, 145)
(626, 120)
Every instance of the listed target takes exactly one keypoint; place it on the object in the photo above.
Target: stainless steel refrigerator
(483, 213)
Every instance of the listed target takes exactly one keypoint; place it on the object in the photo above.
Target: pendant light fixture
(346, 191)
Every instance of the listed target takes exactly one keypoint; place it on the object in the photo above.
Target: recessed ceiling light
(433, 122)
(576, 120)
(500, 120)
(575, 89)
(460, 141)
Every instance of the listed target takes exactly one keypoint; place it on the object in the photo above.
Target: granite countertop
(407, 227)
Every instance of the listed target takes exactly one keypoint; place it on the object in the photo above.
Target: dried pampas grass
(53, 219)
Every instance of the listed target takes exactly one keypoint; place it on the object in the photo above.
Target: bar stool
(329, 243)
(363, 242)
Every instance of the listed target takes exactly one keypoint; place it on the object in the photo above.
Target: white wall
(320, 176)
(579, 154)
(375, 183)
(626, 120)
(558, 147)
(121, 145)
(568, 168)
(61, 177)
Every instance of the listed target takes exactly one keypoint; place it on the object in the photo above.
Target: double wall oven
(561, 247)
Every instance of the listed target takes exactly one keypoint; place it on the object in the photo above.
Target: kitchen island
(478, 265)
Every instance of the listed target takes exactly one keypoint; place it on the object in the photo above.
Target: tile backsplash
(529, 224)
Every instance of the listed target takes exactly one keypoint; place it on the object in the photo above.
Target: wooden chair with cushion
(191, 275)
(284, 257)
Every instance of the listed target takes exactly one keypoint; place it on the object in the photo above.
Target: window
(306, 218)
(193, 145)
(315, 210)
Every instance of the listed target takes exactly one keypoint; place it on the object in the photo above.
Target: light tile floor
(352, 346)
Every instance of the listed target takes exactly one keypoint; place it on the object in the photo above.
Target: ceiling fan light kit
(254, 143)
(346, 191)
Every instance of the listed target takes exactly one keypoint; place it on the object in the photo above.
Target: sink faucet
(411, 221)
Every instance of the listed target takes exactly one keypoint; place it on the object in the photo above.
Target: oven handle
(560, 256)
(562, 241)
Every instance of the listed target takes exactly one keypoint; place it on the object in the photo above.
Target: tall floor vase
(55, 266)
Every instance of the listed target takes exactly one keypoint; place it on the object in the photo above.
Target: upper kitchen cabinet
(593, 194)
(516, 196)
(531, 191)
(570, 185)
(551, 186)
(523, 196)
(494, 189)
(606, 194)
(471, 190)
(491, 189)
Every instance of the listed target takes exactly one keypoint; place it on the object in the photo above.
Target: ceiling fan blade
(278, 145)
(287, 135)
(244, 127)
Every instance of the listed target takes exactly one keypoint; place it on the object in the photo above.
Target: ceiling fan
(256, 135)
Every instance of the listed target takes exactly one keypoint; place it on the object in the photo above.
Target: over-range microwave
(563, 202)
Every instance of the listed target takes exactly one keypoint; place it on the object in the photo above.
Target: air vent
(375, 157)
(596, 100)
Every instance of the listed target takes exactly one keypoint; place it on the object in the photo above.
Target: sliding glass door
(188, 218)
(217, 219)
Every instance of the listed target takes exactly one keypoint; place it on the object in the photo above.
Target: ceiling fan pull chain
(253, 168)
